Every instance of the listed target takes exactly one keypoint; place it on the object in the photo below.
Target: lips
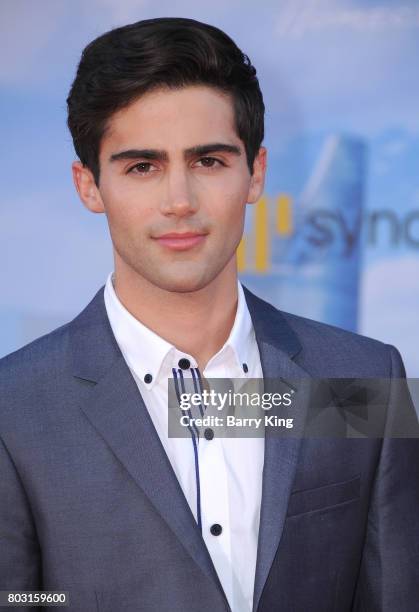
(181, 241)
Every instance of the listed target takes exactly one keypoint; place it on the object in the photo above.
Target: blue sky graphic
(325, 67)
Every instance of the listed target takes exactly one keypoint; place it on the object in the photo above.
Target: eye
(208, 162)
(141, 168)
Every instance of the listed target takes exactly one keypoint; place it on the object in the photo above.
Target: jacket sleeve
(20, 557)
(389, 574)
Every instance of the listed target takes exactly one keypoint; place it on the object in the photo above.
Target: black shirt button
(245, 368)
(209, 433)
(148, 378)
(216, 529)
(184, 363)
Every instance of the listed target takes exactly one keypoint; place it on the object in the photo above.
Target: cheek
(232, 209)
(125, 209)
(230, 222)
(234, 198)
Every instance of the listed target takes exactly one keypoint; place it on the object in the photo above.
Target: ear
(86, 188)
(257, 180)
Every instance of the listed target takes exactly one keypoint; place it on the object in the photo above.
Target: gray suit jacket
(89, 502)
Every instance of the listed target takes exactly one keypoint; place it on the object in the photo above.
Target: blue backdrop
(336, 235)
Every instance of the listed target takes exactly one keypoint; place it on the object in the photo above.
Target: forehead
(168, 118)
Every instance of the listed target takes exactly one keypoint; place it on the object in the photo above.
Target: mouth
(181, 241)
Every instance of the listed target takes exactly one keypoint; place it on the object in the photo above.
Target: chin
(182, 285)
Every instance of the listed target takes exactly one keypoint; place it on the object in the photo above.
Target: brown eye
(209, 162)
(141, 168)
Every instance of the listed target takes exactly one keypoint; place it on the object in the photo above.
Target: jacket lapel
(116, 409)
(278, 345)
(114, 406)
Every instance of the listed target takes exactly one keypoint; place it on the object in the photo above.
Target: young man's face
(155, 181)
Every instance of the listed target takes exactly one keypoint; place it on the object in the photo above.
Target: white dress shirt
(230, 469)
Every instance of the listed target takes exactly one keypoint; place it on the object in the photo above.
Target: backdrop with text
(335, 236)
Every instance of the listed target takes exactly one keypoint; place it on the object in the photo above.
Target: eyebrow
(161, 155)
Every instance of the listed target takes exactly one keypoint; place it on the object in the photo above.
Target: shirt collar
(148, 353)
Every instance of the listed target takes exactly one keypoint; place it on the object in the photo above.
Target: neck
(197, 323)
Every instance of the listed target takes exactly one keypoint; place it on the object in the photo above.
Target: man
(95, 497)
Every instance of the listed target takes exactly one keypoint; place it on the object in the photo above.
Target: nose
(178, 198)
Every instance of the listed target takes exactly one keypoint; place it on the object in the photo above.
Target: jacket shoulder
(322, 349)
(43, 355)
(342, 350)
(48, 353)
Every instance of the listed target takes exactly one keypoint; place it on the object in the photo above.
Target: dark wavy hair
(119, 66)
